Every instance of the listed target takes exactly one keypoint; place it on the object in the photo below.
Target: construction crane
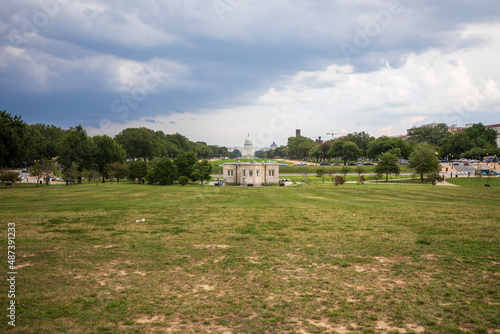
(333, 134)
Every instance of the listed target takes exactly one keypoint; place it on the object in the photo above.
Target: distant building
(251, 173)
(273, 146)
(248, 150)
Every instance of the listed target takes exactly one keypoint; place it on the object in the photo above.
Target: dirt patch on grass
(211, 246)
(385, 328)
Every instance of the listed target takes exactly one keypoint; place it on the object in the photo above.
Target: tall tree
(184, 163)
(44, 141)
(385, 144)
(346, 150)
(106, 151)
(137, 170)
(76, 148)
(201, 171)
(164, 172)
(435, 136)
(456, 145)
(118, 170)
(480, 136)
(388, 164)
(299, 147)
(13, 139)
(138, 142)
(44, 168)
(424, 160)
(362, 139)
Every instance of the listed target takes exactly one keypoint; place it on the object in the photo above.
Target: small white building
(251, 173)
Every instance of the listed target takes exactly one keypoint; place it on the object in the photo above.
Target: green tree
(9, 176)
(185, 163)
(324, 149)
(76, 148)
(235, 154)
(72, 174)
(44, 141)
(424, 160)
(138, 142)
(201, 171)
(320, 172)
(345, 170)
(388, 164)
(456, 145)
(435, 136)
(299, 147)
(480, 136)
(44, 168)
(137, 170)
(350, 152)
(164, 172)
(118, 170)
(385, 144)
(106, 151)
(13, 139)
(361, 139)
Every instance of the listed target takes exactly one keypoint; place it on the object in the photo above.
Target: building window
(271, 172)
(230, 172)
(257, 173)
(250, 173)
(243, 172)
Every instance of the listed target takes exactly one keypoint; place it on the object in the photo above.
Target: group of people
(142, 180)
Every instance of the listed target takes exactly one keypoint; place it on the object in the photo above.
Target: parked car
(368, 163)
(283, 164)
(352, 163)
(301, 164)
(323, 163)
(335, 164)
(488, 172)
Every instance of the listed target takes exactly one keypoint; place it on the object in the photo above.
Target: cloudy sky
(215, 70)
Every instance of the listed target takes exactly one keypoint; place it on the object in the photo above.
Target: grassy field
(383, 258)
(475, 182)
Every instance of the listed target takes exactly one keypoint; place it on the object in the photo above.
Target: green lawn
(377, 258)
(475, 182)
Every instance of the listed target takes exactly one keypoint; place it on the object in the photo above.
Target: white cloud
(38, 72)
(432, 86)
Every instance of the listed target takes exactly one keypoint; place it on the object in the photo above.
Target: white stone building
(251, 173)
(248, 150)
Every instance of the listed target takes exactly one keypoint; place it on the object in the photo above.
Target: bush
(434, 178)
(361, 180)
(7, 176)
(183, 180)
(339, 180)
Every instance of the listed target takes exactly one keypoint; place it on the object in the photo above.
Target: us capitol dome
(248, 150)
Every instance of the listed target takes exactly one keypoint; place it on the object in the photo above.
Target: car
(456, 163)
(488, 172)
(367, 163)
(283, 164)
(301, 164)
(323, 163)
(352, 163)
(466, 164)
(335, 164)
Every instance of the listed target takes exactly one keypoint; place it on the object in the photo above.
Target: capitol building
(248, 150)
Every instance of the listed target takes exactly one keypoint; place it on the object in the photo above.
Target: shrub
(339, 180)
(183, 180)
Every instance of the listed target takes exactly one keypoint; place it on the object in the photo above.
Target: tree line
(167, 158)
(79, 155)
(474, 142)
